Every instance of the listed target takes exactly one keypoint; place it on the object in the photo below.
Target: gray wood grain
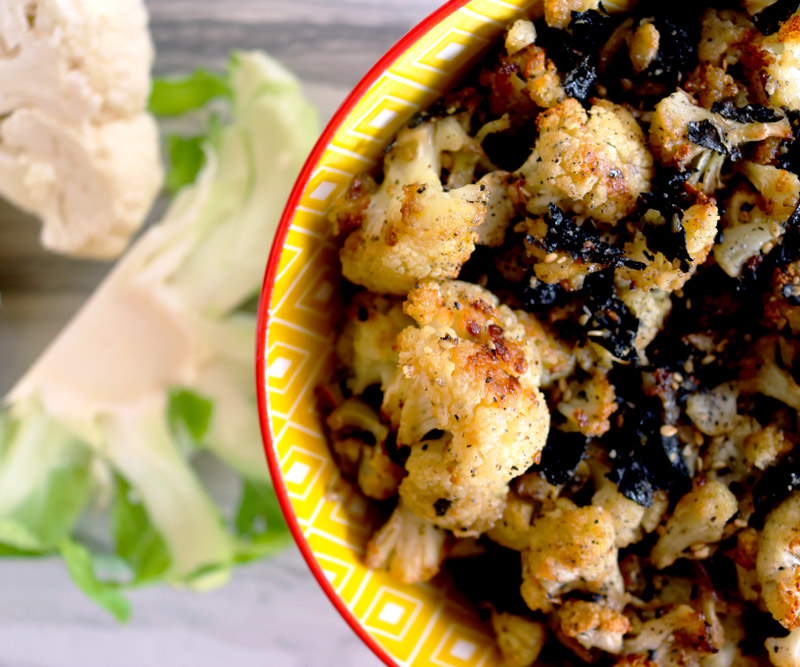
(272, 613)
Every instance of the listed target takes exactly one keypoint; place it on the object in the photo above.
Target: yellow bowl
(403, 624)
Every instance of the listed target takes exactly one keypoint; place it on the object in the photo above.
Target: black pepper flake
(433, 434)
(441, 506)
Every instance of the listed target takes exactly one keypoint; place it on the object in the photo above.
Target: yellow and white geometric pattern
(420, 625)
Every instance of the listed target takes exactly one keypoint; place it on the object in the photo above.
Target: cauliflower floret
(651, 308)
(779, 189)
(772, 63)
(714, 412)
(686, 136)
(522, 33)
(365, 344)
(76, 146)
(470, 366)
(587, 405)
(723, 33)
(558, 358)
(785, 652)
(594, 164)
(764, 375)
(699, 223)
(699, 518)
(378, 476)
(411, 550)
(412, 229)
(513, 530)
(778, 562)
(680, 636)
(570, 548)
(519, 639)
(625, 515)
(764, 447)
(593, 625)
(643, 45)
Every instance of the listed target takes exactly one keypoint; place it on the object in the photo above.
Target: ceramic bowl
(426, 624)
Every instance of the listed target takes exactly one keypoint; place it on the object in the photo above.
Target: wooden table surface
(273, 612)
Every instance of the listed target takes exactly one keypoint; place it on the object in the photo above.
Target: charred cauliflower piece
(365, 344)
(594, 164)
(688, 137)
(471, 368)
(778, 562)
(773, 65)
(570, 548)
(698, 519)
(410, 228)
(593, 625)
(410, 549)
(519, 639)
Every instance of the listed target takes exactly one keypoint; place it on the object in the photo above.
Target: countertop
(272, 613)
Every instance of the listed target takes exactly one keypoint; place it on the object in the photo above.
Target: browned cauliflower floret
(772, 63)
(570, 548)
(779, 189)
(723, 33)
(519, 639)
(699, 518)
(625, 515)
(593, 625)
(513, 529)
(594, 164)
(378, 476)
(709, 83)
(681, 636)
(558, 358)
(699, 223)
(365, 344)
(411, 550)
(587, 405)
(558, 13)
(412, 229)
(764, 447)
(778, 562)
(643, 45)
(472, 369)
(686, 136)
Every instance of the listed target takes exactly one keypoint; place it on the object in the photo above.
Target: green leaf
(81, 568)
(186, 158)
(175, 96)
(190, 411)
(138, 543)
(259, 522)
(17, 540)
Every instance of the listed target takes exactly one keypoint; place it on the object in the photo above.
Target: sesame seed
(550, 257)
(668, 430)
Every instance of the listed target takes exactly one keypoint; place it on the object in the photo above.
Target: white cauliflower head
(470, 371)
(594, 164)
(76, 146)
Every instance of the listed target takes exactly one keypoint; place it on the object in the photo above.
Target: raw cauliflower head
(594, 164)
(76, 146)
(412, 227)
(469, 371)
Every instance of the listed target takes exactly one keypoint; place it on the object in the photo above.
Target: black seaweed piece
(646, 460)
(581, 80)
(582, 242)
(678, 36)
(561, 456)
(559, 46)
(704, 133)
(769, 19)
(760, 626)
(774, 486)
(611, 323)
(591, 29)
(373, 396)
(752, 113)
(541, 296)
(669, 238)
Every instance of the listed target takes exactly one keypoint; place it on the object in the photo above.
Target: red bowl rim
(391, 56)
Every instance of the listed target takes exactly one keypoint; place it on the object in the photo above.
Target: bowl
(424, 624)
